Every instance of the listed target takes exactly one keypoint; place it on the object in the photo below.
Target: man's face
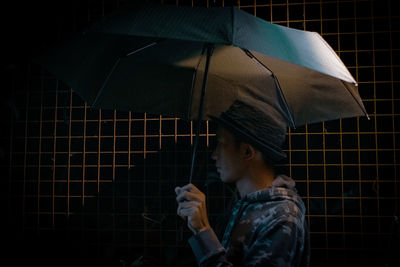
(227, 156)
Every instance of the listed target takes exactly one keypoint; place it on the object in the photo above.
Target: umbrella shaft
(210, 49)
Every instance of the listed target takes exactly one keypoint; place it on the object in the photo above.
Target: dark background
(82, 187)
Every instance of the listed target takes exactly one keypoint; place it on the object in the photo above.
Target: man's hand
(192, 206)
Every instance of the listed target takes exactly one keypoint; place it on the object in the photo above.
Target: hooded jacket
(266, 228)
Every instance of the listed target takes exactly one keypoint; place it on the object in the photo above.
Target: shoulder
(287, 210)
(277, 214)
(284, 208)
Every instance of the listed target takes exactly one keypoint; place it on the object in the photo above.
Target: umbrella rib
(335, 56)
(115, 66)
(355, 99)
(233, 26)
(286, 106)
(284, 101)
(142, 48)
(106, 81)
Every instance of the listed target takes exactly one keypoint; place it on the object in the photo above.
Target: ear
(248, 151)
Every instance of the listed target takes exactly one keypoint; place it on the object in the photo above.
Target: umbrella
(161, 59)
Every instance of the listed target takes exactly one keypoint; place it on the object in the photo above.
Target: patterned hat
(264, 131)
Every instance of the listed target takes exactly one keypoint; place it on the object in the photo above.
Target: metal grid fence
(102, 181)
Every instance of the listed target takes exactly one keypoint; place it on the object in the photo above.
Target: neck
(255, 179)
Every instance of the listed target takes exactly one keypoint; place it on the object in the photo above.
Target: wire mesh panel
(96, 187)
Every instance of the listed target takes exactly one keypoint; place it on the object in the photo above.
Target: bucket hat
(261, 129)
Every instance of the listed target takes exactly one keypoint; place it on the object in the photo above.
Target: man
(267, 226)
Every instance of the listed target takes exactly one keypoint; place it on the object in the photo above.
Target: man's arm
(208, 250)
(205, 244)
(192, 207)
(274, 245)
(279, 243)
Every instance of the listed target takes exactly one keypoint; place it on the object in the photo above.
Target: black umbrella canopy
(153, 59)
(193, 62)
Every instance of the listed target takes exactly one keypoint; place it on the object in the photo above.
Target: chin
(226, 178)
(223, 180)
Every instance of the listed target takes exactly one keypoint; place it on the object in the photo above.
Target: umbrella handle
(210, 49)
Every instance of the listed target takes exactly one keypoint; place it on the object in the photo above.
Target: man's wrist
(201, 230)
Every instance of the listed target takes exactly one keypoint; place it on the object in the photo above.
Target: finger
(178, 212)
(187, 212)
(184, 196)
(188, 204)
(191, 188)
(188, 196)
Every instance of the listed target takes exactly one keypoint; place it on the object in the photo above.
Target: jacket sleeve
(273, 245)
(208, 250)
(278, 244)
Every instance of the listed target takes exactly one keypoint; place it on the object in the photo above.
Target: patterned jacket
(266, 228)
